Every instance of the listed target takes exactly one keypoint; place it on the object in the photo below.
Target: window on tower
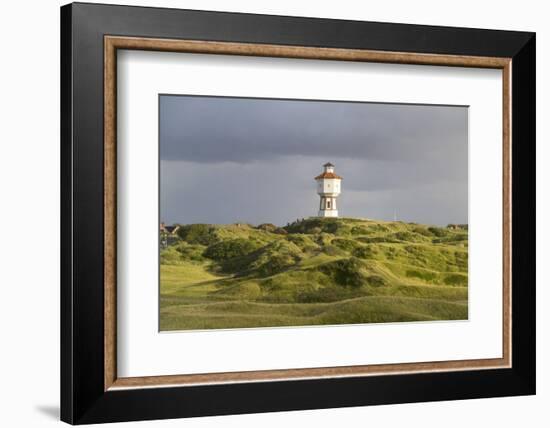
(328, 204)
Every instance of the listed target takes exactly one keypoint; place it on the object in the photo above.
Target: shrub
(302, 241)
(267, 227)
(330, 227)
(271, 228)
(190, 252)
(360, 230)
(378, 228)
(317, 225)
(277, 263)
(323, 239)
(407, 236)
(438, 231)
(366, 252)
(229, 249)
(333, 250)
(421, 231)
(345, 244)
(345, 272)
(303, 226)
(391, 252)
(203, 234)
(376, 281)
(169, 256)
(276, 257)
(461, 259)
(423, 275)
(456, 279)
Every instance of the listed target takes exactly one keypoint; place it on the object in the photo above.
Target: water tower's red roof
(328, 175)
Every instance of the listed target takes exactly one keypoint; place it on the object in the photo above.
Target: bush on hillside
(203, 234)
(360, 230)
(378, 228)
(333, 250)
(438, 231)
(407, 236)
(365, 252)
(376, 281)
(277, 263)
(169, 256)
(304, 242)
(323, 239)
(303, 226)
(316, 225)
(330, 226)
(426, 276)
(391, 252)
(190, 252)
(345, 272)
(276, 257)
(421, 231)
(461, 259)
(456, 279)
(345, 244)
(230, 249)
(267, 227)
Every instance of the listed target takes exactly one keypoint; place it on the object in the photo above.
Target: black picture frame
(83, 398)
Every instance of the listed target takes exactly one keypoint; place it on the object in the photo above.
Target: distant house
(457, 226)
(169, 230)
(168, 234)
(172, 230)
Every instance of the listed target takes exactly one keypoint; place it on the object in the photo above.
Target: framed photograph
(266, 213)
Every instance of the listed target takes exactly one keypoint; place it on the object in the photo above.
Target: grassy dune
(313, 272)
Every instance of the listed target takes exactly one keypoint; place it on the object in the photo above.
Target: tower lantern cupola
(328, 167)
(328, 188)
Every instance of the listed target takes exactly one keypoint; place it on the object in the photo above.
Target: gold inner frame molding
(113, 43)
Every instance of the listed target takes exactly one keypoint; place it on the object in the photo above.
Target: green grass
(313, 272)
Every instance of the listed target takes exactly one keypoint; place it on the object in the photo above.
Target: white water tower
(328, 187)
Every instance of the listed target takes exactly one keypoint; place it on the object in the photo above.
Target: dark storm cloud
(229, 159)
(215, 129)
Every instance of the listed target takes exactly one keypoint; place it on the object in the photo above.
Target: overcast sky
(226, 160)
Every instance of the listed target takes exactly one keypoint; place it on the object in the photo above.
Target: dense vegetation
(313, 271)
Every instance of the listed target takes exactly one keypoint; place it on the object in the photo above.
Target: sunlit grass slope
(313, 272)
